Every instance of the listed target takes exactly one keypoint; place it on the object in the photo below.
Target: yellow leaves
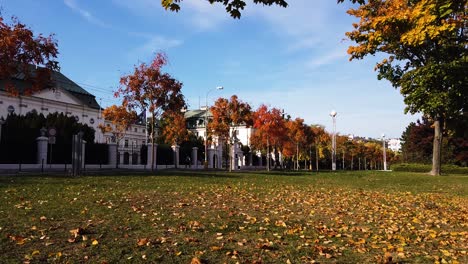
(76, 232)
(215, 248)
(280, 223)
(142, 242)
(195, 261)
(20, 240)
(95, 242)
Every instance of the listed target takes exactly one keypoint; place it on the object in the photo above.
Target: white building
(196, 120)
(196, 124)
(71, 99)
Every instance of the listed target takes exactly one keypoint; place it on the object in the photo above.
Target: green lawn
(217, 217)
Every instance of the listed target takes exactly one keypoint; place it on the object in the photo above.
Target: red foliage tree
(228, 115)
(20, 51)
(150, 89)
(270, 129)
(296, 133)
(120, 118)
(174, 128)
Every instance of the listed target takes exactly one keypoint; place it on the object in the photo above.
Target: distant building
(196, 124)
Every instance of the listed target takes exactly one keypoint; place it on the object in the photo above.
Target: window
(143, 130)
(136, 129)
(126, 143)
(91, 121)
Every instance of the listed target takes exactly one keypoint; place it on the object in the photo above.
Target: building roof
(197, 113)
(60, 81)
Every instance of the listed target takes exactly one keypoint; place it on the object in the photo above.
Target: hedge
(417, 167)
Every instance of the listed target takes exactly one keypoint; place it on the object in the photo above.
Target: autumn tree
(120, 119)
(174, 128)
(270, 129)
(20, 52)
(321, 139)
(297, 135)
(233, 7)
(228, 115)
(425, 41)
(150, 89)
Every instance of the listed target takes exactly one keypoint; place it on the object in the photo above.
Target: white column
(112, 154)
(219, 154)
(195, 157)
(176, 148)
(42, 149)
(150, 155)
(83, 153)
(211, 153)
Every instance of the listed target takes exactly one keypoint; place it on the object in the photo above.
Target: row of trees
(299, 144)
(425, 41)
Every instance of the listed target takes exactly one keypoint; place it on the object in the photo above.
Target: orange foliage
(269, 127)
(229, 114)
(20, 51)
(174, 129)
(121, 120)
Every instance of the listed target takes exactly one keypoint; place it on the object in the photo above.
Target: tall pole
(384, 153)
(333, 115)
(206, 123)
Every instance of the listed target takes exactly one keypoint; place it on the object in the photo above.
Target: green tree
(426, 44)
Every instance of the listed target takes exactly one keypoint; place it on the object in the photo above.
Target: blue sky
(293, 58)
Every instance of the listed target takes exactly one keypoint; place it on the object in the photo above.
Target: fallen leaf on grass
(195, 261)
(142, 241)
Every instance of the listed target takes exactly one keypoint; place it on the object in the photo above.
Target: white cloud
(152, 45)
(198, 15)
(85, 14)
(304, 24)
(329, 57)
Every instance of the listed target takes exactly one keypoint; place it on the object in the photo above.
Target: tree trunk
(152, 142)
(268, 154)
(230, 149)
(316, 158)
(436, 148)
(297, 156)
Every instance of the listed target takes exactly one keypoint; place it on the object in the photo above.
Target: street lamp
(206, 123)
(333, 115)
(384, 153)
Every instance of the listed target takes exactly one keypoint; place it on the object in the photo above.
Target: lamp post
(333, 115)
(206, 123)
(384, 153)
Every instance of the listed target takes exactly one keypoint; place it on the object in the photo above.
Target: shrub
(417, 167)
